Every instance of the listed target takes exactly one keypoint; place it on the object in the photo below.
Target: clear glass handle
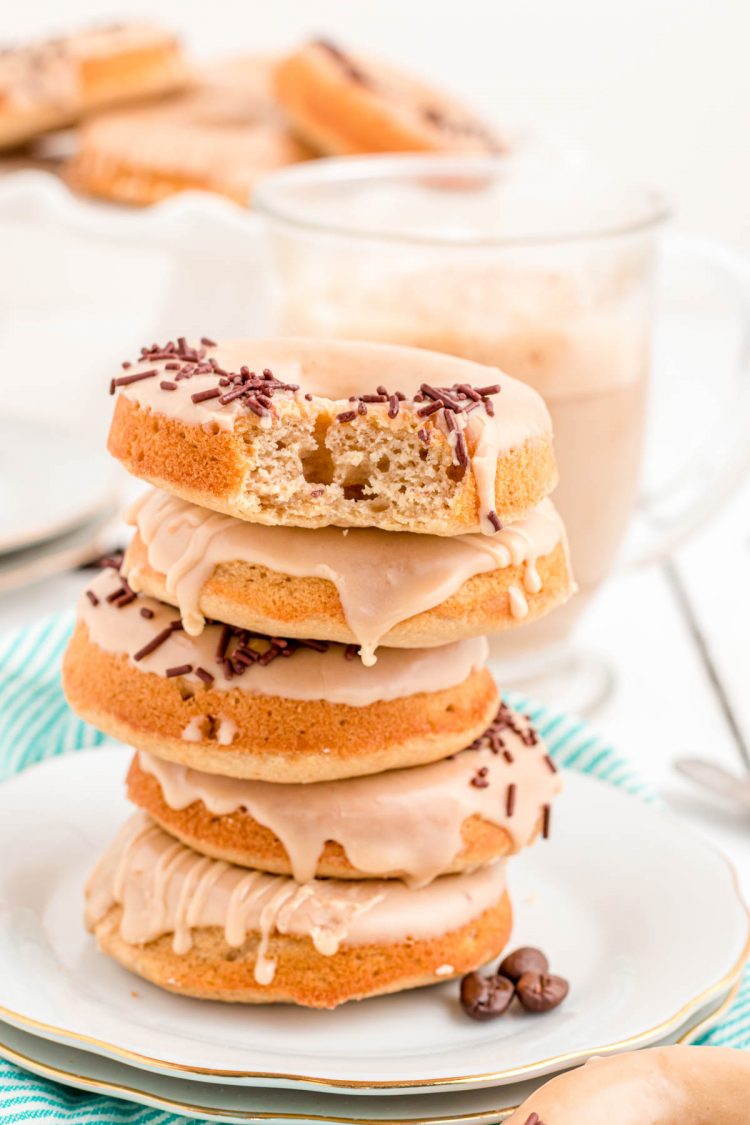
(698, 449)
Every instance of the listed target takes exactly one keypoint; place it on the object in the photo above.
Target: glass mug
(543, 268)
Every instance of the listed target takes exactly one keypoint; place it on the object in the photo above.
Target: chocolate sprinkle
(203, 396)
(462, 453)
(480, 779)
(346, 416)
(126, 380)
(426, 411)
(167, 385)
(179, 670)
(351, 652)
(156, 642)
(224, 639)
(113, 560)
(92, 597)
(147, 613)
(504, 719)
(510, 800)
(550, 763)
(316, 646)
(355, 73)
(204, 675)
(546, 818)
(494, 519)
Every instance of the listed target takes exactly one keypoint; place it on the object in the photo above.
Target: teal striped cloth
(36, 723)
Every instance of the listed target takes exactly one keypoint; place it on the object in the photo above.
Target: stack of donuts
(327, 784)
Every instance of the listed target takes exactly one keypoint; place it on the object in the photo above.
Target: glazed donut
(55, 82)
(219, 136)
(342, 104)
(202, 928)
(364, 585)
(285, 432)
(657, 1086)
(313, 716)
(488, 801)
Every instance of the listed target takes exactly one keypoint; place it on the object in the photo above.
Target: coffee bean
(523, 960)
(484, 998)
(541, 992)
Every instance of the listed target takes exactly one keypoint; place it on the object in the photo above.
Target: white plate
(71, 549)
(49, 483)
(223, 1102)
(642, 916)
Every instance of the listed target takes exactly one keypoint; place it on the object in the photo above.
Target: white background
(660, 89)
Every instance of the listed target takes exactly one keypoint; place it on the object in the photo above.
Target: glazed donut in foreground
(203, 928)
(310, 433)
(309, 715)
(55, 82)
(359, 585)
(488, 801)
(656, 1086)
(343, 104)
(221, 136)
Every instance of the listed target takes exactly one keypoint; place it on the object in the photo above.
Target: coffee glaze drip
(305, 675)
(164, 887)
(326, 375)
(405, 822)
(382, 578)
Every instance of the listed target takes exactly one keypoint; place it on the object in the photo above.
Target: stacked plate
(648, 926)
(57, 502)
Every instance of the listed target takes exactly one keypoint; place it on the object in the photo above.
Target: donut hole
(207, 726)
(317, 462)
(364, 466)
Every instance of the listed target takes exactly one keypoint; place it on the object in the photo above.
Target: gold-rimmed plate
(218, 1102)
(642, 916)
